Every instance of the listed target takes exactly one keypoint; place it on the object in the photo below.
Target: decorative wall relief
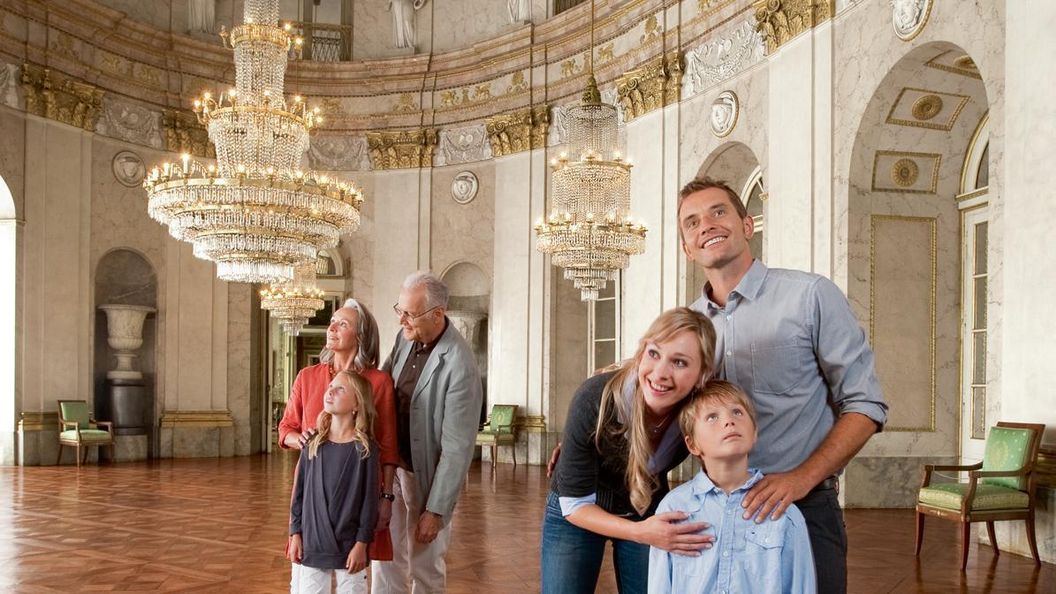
(405, 104)
(9, 85)
(571, 67)
(714, 62)
(63, 99)
(518, 131)
(652, 86)
(464, 187)
(653, 30)
(780, 20)
(130, 122)
(724, 112)
(333, 152)
(906, 172)
(402, 149)
(922, 108)
(518, 84)
(908, 17)
(464, 97)
(184, 134)
(128, 169)
(463, 145)
(558, 133)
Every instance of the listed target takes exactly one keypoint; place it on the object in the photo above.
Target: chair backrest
(1011, 446)
(502, 416)
(74, 411)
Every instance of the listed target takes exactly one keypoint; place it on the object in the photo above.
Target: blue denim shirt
(790, 340)
(772, 557)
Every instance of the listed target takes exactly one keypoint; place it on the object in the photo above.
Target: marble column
(57, 319)
(519, 357)
(1029, 268)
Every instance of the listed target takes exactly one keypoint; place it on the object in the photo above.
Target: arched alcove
(124, 276)
(8, 292)
(468, 310)
(906, 244)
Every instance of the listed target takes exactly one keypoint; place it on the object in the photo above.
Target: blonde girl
(335, 500)
(621, 438)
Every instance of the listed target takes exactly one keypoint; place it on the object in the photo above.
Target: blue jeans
(571, 557)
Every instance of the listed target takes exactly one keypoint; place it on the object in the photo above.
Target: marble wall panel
(239, 354)
(898, 478)
(398, 209)
(463, 232)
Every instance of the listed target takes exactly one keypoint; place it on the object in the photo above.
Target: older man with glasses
(436, 379)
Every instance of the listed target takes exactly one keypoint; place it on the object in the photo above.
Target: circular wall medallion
(908, 17)
(128, 168)
(724, 111)
(905, 173)
(927, 107)
(464, 187)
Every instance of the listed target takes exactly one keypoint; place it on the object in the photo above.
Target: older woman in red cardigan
(351, 343)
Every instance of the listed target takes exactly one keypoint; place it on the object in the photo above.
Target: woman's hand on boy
(294, 550)
(357, 558)
(772, 495)
(667, 531)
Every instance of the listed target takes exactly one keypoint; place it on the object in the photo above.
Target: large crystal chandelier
(294, 302)
(589, 232)
(254, 213)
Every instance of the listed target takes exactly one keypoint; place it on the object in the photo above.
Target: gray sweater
(335, 502)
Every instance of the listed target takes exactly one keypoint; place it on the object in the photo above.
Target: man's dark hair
(699, 184)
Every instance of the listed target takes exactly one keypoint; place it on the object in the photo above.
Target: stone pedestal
(130, 448)
(127, 400)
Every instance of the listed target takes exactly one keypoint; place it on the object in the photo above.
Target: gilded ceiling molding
(402, 149)
(185, 134)
(652, 86)
(62, 99)
(781, 20)
(519, 131)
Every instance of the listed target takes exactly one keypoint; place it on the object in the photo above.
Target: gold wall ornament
(405, 104)
(653, 30)
(196, 418)
(519, 131)
(652, 86)
(518, 84)
(571, 67)
(402, 149)
(464, 97)
(905, 173)
(184, 134)
(606, 53)
(61, 99)
(778, 21)
(927, 107)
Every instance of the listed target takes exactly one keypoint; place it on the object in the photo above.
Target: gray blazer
(445, 416)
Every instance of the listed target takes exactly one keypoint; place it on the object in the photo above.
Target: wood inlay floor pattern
(218, 525)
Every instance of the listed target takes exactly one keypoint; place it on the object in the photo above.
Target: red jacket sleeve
(292, 418)
(385, 423)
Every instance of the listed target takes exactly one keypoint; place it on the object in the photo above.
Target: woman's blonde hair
(618, 418)
(364, 419)
(713, 391)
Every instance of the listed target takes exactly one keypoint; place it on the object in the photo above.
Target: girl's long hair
(364, 424)
(618, 418)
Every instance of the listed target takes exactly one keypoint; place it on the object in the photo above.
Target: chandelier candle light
(254, 213)
(589, 232)
(294, 302)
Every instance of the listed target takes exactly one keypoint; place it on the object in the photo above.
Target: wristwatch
(388, 496)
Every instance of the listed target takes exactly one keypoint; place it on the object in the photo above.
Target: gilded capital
(185, 134)
(652, 86)
(62, 99)
(778, 21)
(519, 131)
(402, 149)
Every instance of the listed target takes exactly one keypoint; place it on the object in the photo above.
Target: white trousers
(309, 580)
(415, 567)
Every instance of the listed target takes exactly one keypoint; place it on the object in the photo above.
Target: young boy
(773, 556)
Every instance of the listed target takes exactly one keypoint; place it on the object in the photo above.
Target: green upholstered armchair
(1001, 487)
(78, 429)
(499, 431)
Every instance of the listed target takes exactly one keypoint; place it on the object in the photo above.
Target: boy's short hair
(713, 391)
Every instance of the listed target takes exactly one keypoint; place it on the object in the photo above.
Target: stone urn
(125, 326)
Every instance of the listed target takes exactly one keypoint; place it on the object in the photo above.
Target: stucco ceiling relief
(519, 131)
(652, 86)
(337, 152)
(57, 97)
(781, 20)
(924, 108)
(721, 59)
(955, 62)
(402, 149)
(463, 145)
(130, 122)
(906, 172)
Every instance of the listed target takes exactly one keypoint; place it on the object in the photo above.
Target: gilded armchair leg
(1031, 539)
(993, 537)
(966, 531)
(920, 533)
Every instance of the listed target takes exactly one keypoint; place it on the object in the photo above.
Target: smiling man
(790, 340)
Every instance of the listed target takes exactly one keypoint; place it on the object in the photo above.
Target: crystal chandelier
(294, 302)
(254, 213)
(589, 232)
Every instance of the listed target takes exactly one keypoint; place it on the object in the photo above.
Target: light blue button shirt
(790, 340)
(749, 558)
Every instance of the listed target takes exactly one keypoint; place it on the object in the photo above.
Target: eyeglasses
(405, 314)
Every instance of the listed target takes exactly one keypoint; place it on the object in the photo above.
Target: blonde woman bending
(335, 500)
(621, 438)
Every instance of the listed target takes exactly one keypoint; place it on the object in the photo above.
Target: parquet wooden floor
(218, 525)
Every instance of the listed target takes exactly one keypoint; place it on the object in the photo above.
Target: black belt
(829, 484)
